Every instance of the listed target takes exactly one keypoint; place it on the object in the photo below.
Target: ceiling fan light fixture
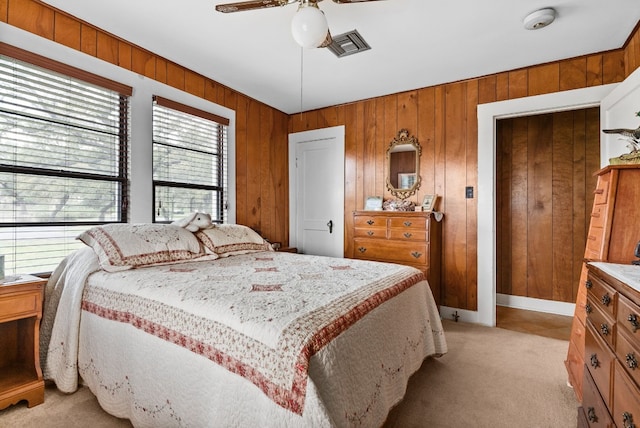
(309, 26)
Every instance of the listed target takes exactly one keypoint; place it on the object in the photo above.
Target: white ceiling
(415, 43)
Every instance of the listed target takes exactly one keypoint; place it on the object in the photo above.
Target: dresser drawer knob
(627, 420)
(633, 319)
(606, 299)
(591, 415)
(407, 235)
(588, 308)
(588, 284)
(604, 329)
(416, 254)
(407, 223)
(632, 363)
(370, 232)
(370, 222)
(362, 249)
(594, 361)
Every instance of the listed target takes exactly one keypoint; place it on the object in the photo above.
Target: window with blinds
(189, 162)
(63, 160)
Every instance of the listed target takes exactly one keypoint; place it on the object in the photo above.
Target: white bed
(255, 339)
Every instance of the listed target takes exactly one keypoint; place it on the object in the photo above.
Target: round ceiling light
(539, 19)
(309, 26)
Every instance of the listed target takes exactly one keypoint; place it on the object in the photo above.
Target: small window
(189, 162)
(63, 161)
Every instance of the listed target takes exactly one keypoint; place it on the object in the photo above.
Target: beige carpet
(490, 378)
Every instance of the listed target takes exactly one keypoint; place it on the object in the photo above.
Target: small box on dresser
(410, 238)
(611, 391)
(20, 314)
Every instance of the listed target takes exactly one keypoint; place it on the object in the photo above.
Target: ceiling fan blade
(251, 5)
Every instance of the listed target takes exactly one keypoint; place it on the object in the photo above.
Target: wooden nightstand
(20, 314)
(287, 249)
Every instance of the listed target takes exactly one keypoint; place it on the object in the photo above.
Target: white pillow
(121, 246)
(231, 239)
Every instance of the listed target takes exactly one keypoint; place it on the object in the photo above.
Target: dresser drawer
(393, 251)
(594, 247)
(408, 235)
(599, 360)
(416, 223)
(603, 324)
(371, 232)
(602, 295)
(594, 408)
(366, 221)
(628, 353)
(626, 403)
(601, 194)
(19, 305)
(599, 216)
(629, 317)
(575, 358)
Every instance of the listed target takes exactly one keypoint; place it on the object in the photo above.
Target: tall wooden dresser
(611, 391)
(410, 238)
(614, 231)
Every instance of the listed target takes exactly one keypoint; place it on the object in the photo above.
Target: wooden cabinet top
(609, 168)
(25, 283)
(393, 213)
(623, 277)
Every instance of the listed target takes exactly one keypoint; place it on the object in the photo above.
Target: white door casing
(316, 191)
(488, 114)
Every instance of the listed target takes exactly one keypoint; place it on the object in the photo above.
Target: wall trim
(538, 305)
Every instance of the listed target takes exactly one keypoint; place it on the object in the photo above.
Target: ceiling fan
(309, 26)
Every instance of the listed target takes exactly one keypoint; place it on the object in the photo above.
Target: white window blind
(63, 162)
(189, 162)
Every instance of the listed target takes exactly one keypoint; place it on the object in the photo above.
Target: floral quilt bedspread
(261, 316)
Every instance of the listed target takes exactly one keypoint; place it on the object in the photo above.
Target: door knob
(330, 226)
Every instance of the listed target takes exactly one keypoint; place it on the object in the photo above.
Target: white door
(316, 191)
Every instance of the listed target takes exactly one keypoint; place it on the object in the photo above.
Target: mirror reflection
(403, 165)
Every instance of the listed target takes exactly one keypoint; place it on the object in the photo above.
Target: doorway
(487, 116)
(544, 195)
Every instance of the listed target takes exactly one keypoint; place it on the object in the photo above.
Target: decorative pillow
(231, 239)
(125, 246)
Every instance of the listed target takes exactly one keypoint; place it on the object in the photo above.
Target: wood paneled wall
(544, 195)
(443, 118)
(261, 131)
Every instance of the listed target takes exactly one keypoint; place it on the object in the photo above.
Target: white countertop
(629, 274)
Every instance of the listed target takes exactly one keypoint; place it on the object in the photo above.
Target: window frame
(222, 140)
(120, 174)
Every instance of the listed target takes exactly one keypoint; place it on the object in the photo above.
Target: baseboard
(457, 314)
(539, 305)
(517, 302)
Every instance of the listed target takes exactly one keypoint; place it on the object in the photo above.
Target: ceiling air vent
(348, 44)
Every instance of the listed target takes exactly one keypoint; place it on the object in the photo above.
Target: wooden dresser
(20, 314)
(611, 384)
(405, 237)
(614, 231)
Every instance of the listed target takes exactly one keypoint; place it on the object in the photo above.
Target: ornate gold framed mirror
(403, 165)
